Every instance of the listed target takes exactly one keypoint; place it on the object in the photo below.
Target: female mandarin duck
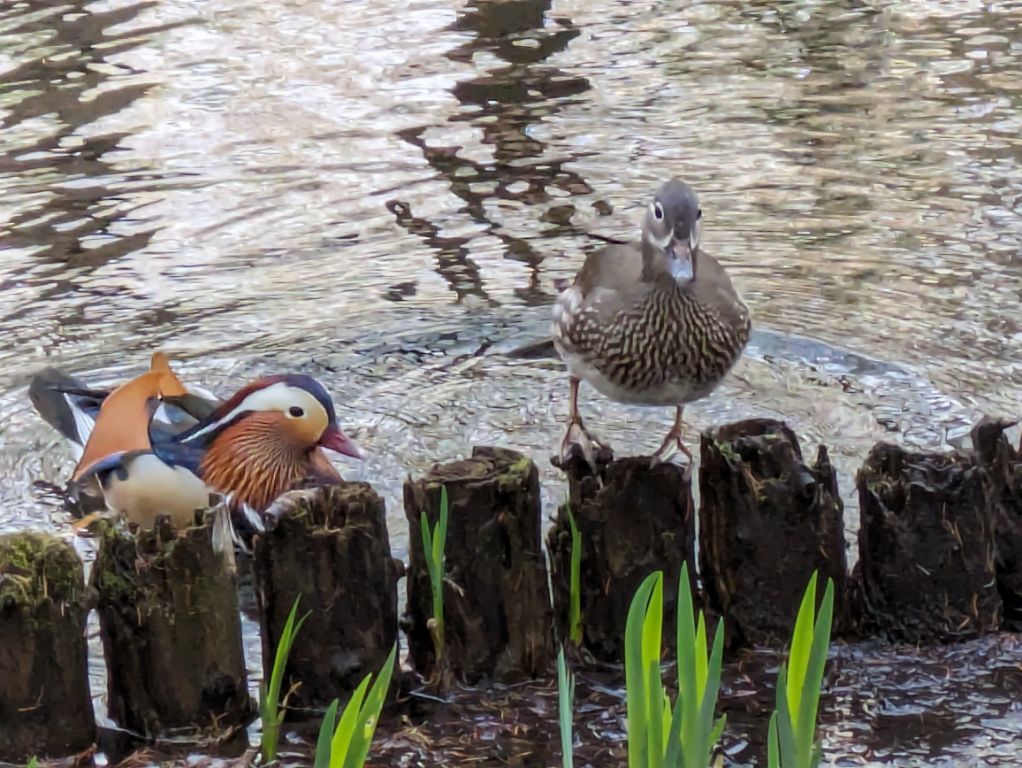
(262, 441)
(656, 323)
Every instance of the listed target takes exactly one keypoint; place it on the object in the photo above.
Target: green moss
(725, 450)
(513, 476)
(120, 554)
(36, 567)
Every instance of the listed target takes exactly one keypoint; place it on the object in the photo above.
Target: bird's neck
(254, 463)
(656, 270)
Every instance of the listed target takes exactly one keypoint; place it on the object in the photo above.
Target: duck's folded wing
(713, 288)
(609, 281)
(178, 454)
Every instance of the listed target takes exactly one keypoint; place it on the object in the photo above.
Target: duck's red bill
(335, 440)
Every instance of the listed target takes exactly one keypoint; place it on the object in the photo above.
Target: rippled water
(383, 194)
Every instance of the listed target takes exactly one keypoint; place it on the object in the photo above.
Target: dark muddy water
(384, 194)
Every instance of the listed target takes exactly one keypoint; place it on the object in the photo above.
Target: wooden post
(168, 614)
(328, 545)
(1001, 467)
(926, 546)
(496, 599)
(767, 520)
(45, 707)
(634, 519)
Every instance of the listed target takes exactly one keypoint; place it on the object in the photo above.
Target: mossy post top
(38, 567)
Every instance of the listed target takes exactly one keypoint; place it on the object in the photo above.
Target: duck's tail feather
(66, 404)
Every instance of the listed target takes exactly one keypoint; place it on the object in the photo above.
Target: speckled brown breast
(669, 348)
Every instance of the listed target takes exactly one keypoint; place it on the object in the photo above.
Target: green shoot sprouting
(575, 591)
(659, 736)
(271, 708)
(348, 747)
(326, 735)
(698, 684)
(33, 763)
(644, 692)
(791, 740)
(434, 543)
(566, 699)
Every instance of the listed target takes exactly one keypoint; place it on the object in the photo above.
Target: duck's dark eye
(296, 412)
(658, 211)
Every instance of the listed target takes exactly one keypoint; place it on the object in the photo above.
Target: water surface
(385, 195)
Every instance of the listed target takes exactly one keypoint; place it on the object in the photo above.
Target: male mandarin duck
(655, 323)
(262, 441)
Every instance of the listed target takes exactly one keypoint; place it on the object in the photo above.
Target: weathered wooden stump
(329, 546)
(168, 614)
(926, 546)
(633, 519)
(766, 522)
(1001, 467)
(496, 600)
(45, 707)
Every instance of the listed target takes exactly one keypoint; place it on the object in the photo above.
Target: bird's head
(670, 231)
(294, 408)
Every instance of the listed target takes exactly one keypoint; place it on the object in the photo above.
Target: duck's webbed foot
(579, 442)
(673, 442)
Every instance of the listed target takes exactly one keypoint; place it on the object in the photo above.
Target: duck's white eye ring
(658, 211)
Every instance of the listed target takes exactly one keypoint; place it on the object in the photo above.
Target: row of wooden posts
(940, 557)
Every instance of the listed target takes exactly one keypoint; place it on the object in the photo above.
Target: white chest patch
(153, 488)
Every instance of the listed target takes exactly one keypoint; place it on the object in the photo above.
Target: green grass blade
(636, 696)
(773, 748)
(812, 679)
(672, 754)
(688, 666)
(566, 701)
(427, 539)
(652, 625)
(33, 763)
(801, 644)
(575, 587)
(702, 733)
(700, 658)
(434, 543)
(666, 717)
(345, 731)
(785, 730)
(440, 558)
(652, 629)
(369, 714)
(326, 731)
(686, 637)
(654, 714)
(270, 708)
(440, 532)
(715, 733)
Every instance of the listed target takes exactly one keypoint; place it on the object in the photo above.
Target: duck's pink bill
(335, 440)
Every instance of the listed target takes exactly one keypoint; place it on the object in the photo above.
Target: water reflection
(64, 86)
(502, 105)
